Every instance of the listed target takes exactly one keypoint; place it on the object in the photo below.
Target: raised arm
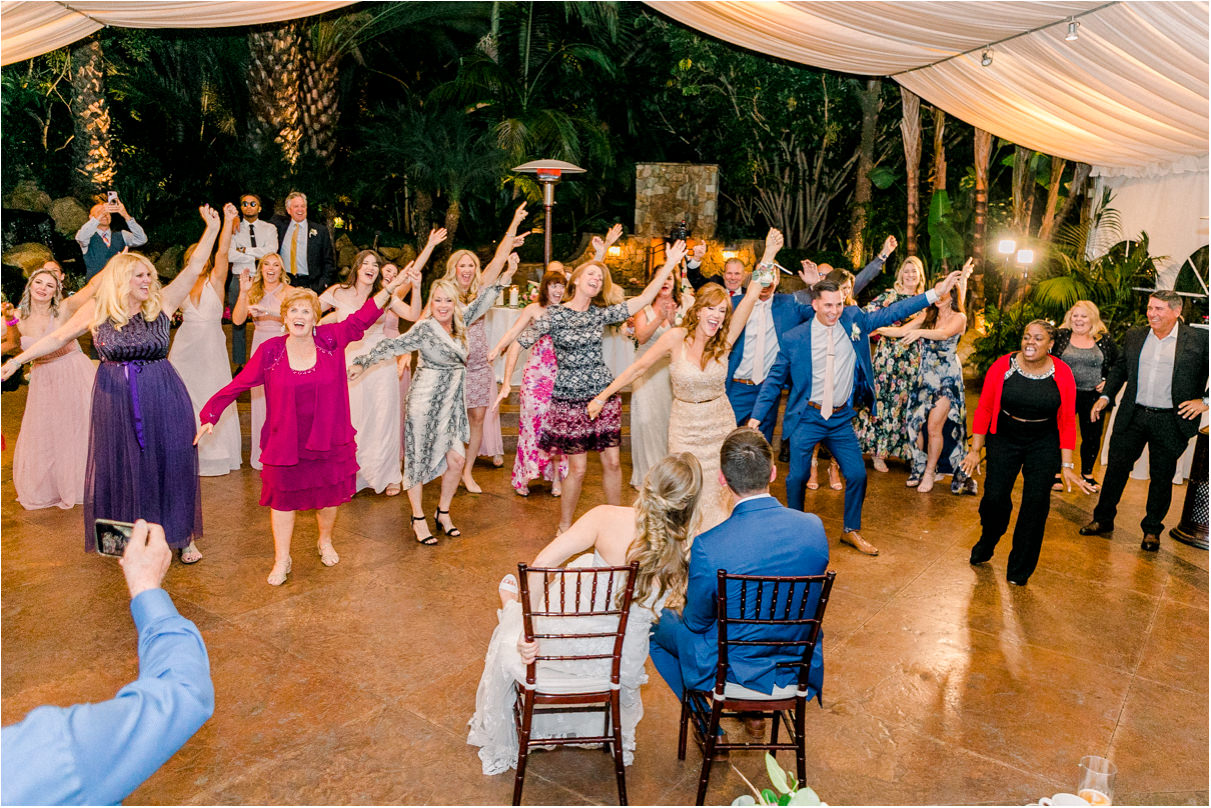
(646, 326)
(412, 309)
(875, 266)
(673, 257)
(239, 312)
(957, 325)
(218, 275)
(172, 295)
(528, 314)
(744, 309)
(69, 305)
(510, 242)
(480, 306)
(52, 341)
(663, 347)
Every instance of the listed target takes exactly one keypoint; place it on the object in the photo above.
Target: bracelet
(765, 265)
(1067, 465)
(11, 323)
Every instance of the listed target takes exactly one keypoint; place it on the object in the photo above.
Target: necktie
(105, 237)
(826, 406)
(293, 244)
(762, 335)
(251, 234)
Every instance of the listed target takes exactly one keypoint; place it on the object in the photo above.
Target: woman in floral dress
(537, 384)
(936, 420)
(896, 365)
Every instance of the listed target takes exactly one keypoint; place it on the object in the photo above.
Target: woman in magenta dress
(537, 384)
(52, 448)
(308, 457)
(141, 463)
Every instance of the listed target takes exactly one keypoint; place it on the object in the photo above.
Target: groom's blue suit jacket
(762, 537)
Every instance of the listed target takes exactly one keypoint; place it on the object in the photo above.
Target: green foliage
(1004, 331)
(945, 242)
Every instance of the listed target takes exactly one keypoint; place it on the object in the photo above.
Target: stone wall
(666, 193)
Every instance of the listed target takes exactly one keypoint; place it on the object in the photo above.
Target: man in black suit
(305, 246)
(1165, 369)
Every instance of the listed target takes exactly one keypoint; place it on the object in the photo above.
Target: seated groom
(761, 537)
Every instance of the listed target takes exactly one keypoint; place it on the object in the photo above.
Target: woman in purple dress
(308, 455)
(141, 459)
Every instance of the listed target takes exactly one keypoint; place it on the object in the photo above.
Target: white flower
(311, 232)
(854, 332)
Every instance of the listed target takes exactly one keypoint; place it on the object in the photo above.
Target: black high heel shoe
(429, 540)
(451, 531)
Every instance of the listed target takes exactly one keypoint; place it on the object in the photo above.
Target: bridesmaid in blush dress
(310, 458)
(651, 391)
(537, 384)
(261, 299)
(403, 363)
(141, 461)
(701, 416)
(372, 398)
(51, 451)
(463, 270)
(199, 355)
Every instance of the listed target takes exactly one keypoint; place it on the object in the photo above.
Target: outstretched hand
(810, 273)
(518, 215)
(511, 265)
(613, 234)
(944, 286)
(204, 429)
(889, 246)
(505, 390)
(675, 253)
(436, 236)
(210, 216)
(229, 212)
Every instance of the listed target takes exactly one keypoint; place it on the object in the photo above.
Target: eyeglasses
(251, 203)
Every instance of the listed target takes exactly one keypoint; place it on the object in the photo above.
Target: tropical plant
(789, 790)
(440, 151)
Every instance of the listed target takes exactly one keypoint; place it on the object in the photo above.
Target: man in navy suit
(760, 538)
(757, 347)
(305, 246)
(828, 362)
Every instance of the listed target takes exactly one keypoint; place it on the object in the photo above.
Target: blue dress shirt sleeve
(97, 754)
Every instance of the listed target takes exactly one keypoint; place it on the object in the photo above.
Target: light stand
(548, 172)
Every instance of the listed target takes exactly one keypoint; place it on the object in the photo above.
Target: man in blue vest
(99, 243)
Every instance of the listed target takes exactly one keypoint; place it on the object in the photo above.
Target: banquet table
(617, 349)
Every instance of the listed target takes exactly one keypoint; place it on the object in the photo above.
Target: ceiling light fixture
(986, 59)
(1072, 26)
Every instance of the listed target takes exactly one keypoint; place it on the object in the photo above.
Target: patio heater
(548, 172)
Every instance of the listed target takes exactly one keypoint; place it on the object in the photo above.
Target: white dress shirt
(843, 362)
(760, 323)
(296, 231)
(242, 255)
(1155, 381)
(135, 237)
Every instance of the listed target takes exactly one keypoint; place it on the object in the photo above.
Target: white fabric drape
(29, 28)
(1131, 92)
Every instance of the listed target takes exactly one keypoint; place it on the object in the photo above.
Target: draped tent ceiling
(1129, 96)
(32, 27)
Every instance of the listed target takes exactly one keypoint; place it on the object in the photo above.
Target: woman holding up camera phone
(141, 461)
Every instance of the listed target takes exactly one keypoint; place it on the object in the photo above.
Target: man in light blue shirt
(97, 754)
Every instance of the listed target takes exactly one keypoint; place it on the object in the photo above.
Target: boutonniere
(311, 232)
(854, 332)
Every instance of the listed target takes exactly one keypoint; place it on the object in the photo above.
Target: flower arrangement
(790, 791)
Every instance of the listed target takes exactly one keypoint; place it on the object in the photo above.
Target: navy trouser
(837, 435)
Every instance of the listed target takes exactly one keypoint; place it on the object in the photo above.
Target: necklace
(1014, 366)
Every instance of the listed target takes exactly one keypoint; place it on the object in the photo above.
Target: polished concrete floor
(353, 684)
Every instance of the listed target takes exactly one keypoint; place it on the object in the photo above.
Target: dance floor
(353, 684)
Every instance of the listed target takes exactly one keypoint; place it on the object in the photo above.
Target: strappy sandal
(429, 540)
(189, 555)
(451, 531)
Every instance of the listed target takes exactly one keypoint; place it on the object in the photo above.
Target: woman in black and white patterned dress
(437, 426)
(576, 332)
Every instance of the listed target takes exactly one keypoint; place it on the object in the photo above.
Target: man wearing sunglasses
(251, 239)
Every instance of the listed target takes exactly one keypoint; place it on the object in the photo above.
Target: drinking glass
(1096, 785)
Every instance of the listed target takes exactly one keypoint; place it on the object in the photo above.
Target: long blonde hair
(114, 288)
(1096, 327)
(55, 300)
(666, 511)
(452, 276)
(257, 292)
(710, 294)
(457, 329)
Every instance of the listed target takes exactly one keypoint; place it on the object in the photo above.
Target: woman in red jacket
(1027, 410)
(308, 454)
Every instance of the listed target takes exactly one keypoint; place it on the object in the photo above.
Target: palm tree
(442, 152)
(273, 89)
(95, 169)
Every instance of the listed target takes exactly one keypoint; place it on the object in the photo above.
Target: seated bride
(655, 533)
